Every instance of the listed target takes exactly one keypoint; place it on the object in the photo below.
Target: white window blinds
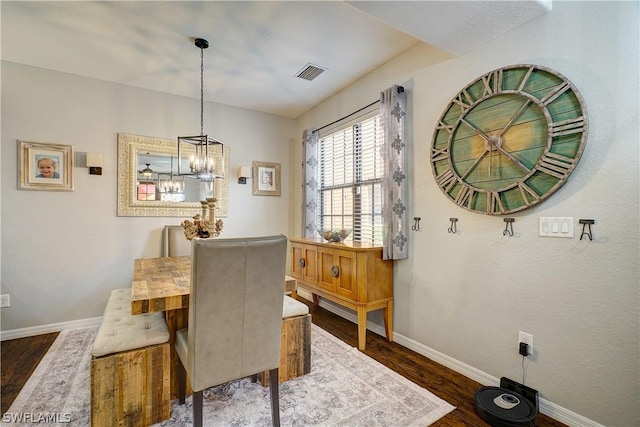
(350, 176)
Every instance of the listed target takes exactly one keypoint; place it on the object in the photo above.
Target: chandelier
(203, 162)
(170, 184)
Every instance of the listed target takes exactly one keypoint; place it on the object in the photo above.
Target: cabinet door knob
(335, 271)
(302, 262)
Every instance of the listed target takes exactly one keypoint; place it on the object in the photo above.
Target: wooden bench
(295, 342)
(130, 366)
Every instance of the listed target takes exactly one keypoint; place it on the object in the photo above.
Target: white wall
(468, 295)
(62, 252)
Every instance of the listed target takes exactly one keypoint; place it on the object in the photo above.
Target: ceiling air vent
(310, 72)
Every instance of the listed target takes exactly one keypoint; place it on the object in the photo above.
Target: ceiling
(256, 47)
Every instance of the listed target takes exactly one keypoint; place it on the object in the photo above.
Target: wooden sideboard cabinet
(353, 275)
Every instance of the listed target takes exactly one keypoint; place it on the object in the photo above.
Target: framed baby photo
(266, 179)
(45, 167)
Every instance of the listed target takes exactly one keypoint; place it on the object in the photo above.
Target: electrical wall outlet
(4, 300)
(527, 339)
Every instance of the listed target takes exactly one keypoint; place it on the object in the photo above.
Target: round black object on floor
(504, 408)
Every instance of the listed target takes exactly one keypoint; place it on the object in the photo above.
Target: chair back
(174, 243)
(235, 308)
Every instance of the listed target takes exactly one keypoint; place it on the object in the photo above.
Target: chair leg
(274, 384)
(197, 408)
(182, 382)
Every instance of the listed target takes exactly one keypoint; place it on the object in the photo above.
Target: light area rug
(345, 388)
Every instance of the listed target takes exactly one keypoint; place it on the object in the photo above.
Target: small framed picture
(47, 167)
(266, 179)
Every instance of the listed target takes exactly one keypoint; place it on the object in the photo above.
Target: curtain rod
(400, 90)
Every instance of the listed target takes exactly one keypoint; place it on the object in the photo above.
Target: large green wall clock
(509, 139)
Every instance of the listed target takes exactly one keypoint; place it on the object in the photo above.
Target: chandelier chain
(201, 91)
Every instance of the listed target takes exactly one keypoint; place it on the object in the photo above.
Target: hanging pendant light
(202, 160)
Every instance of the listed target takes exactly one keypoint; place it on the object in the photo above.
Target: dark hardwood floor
(18, 359)
(445, 383)
(21, 356)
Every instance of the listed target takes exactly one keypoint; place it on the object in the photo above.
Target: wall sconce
(94, 163)
(244, 172)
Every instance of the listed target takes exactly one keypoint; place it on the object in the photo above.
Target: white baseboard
(46, 329)
(546, 407)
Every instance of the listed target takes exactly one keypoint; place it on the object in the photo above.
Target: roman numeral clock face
(509, 140)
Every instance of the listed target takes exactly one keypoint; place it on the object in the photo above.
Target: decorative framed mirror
(148, 184)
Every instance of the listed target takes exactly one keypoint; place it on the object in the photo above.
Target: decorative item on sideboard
(203, 226)
(336, 235)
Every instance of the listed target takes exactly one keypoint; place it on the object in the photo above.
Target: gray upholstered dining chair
(235, 316)
(174, 243)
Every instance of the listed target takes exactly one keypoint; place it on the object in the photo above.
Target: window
(350, 176)
(146, 191)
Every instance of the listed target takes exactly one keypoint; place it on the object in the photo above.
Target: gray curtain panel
(393, 103)
(310, 185)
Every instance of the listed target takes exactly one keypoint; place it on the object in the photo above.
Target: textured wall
(468, 295)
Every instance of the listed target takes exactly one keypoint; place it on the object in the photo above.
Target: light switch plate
(556, 226)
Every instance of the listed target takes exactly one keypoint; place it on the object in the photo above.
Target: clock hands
(494, 142)
(505, 128)
(474, 164)
(513, 159)
(515, 116)
(480, 132)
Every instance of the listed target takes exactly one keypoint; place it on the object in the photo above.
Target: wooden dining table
(164, 284)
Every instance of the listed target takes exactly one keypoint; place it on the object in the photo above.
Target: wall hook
(416, 223)
(586, 228)
(508, 228)
(453, 228)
